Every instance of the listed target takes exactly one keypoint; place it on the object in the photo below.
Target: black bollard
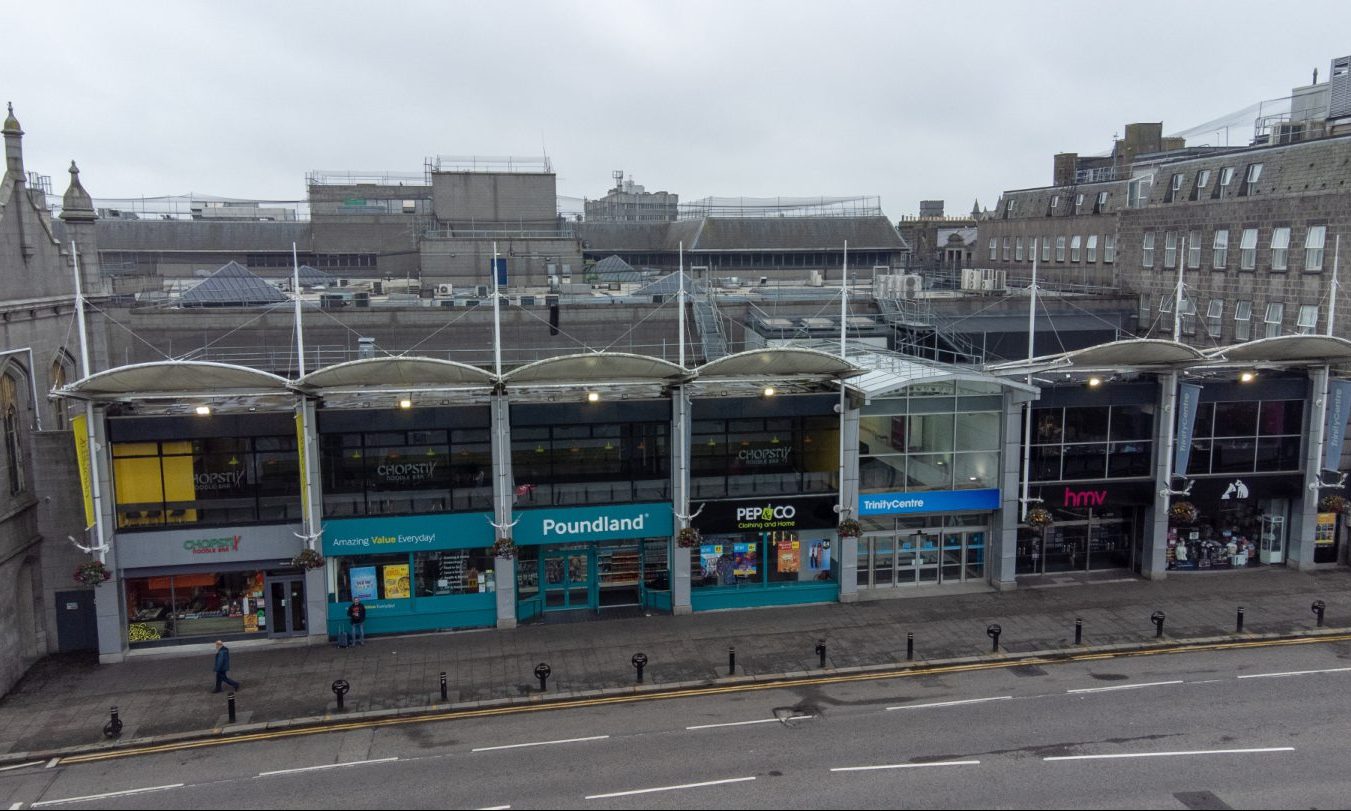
(731, 660)
(821, 651)
(340, 688)
(542, 672)
(1238, 624)
(1078, 630)
(445, 695)
(113, 728)
(993, 631)
(909, 645)
(230, 706)
(1318, 608)
(1157, 618)
(639, 662)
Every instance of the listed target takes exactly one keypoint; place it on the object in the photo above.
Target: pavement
(62, 704)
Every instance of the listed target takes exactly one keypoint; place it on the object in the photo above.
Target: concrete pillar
(848, 547)
(504, 569)
(109, 601)
(1304, 509)
(681, 427)
(1154, 562)
(1002, 555)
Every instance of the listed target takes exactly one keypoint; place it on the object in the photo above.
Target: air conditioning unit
(481, 290)
(445, 290)
(970, 279)
(911, 284)
(814, 279)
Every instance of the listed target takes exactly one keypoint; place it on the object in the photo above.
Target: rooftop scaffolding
(859, 206)
(488, 164)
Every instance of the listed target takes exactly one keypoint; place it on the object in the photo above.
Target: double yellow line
(693, 692)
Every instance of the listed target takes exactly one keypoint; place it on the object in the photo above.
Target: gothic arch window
(9, 416)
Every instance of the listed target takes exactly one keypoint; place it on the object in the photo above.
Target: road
(1254, 728)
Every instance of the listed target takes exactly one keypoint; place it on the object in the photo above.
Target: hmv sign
(1097, 496)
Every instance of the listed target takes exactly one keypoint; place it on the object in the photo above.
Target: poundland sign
(611, 522)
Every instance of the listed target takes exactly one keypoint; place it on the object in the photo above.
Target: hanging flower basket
(1184, 512)
(1039, 517)
(93, 573)
(308, 559)
(504, 548)
(688, 538)
(1332, 504)
(849, 528)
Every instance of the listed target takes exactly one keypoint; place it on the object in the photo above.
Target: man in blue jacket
(223, 667)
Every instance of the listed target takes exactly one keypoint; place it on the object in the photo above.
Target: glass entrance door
(567, 579)
(927, 557)
(286, 606)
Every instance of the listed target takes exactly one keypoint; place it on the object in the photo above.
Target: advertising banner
(1188, 397)
(1339, 409)
(365, 586)
(500, 271)
(398, 586)
(936, 501)
(79, 425)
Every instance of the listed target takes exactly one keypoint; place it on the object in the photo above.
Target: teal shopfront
(593, 561)
(413, 573)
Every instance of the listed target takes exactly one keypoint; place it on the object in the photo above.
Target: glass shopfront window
(215, 481)
(938, 438)
(594, 463)
(762, 558)
(451, 571)
(917, 550)
(764, 456)
(1091, 442)
(406, 472)
(203, 605)
(422, 574)
(1247, 437)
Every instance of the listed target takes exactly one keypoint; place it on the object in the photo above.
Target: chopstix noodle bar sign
(767, 515)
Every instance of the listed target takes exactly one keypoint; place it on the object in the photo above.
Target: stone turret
(77, 205)
(77, 212)
(13, 146)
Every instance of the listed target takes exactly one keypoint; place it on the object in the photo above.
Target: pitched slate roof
(231, 286)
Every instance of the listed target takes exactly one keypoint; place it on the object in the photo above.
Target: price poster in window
(397, 583)
(747, 559)
(790, 556)
(363, 583)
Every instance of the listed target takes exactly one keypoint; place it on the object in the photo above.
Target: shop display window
(1247, 437)
(938, 437)
(195, 605)
(764, 456)
(374, 577)
(453, 571)
(757, 559)
(1086, 443)
(596, 463)
(215, 481)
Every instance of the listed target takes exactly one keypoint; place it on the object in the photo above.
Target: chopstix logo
(406, 471)
(212, 546)
(227, 480)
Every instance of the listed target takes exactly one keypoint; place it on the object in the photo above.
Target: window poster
(745, 558)
(819, 557)
(790, 555)
(397, 584)
(364, 583)
(1325, 529)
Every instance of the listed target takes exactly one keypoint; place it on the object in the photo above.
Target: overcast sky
(907, 101)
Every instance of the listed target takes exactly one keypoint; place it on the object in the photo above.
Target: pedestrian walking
(356, 614)
(223, 667)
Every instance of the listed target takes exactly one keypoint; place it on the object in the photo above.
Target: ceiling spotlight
(406, 402)
(1094, 381)
(1247, 377)
(593, 397)
(203, 411)
(769, 391)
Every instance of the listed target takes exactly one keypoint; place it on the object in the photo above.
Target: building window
(9, 413)
(1308, 319)
(1243, 321)
(1076, 243)
(1018, 249)
(1008, 209)
(1246, 437)
(1109, 249)
(1275, 312)
(1147, 250)
(1313, 247)
(1060, 249)
(1247, 247)
(1193, 249)
(1045, 249)
(1007, 250)
(1101, 206)
(1249, 186)
(1092, 248)
(1055, 203)
(1280, 248)
(1226, 177)
(59, 382)
(1170, 249)
(1214, 313)
(1137, 193)
(1092, 442)
(929, 442)
(1174, 188)
(1220, 249)
(1202, 180)
(1142, 314)
(740, 458)
(994, 249)
(1188, 317)
(1078, 204)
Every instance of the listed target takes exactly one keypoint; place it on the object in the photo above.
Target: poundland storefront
(591, 559)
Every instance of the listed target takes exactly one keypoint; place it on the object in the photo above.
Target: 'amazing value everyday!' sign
(409, 533)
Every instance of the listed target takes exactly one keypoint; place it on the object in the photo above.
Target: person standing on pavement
(356, 614)
(223, 667)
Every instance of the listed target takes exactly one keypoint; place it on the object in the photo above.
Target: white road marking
(1294, 673)
(327, 766)
(538, 743)
(21, 765)
(1123, 687)
(90, 797)
(668, 788)
(950, 703)
(51, 763)
(760, 721)
(906, 766)
(1176, 754)
(16, 807)
(495, 808)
